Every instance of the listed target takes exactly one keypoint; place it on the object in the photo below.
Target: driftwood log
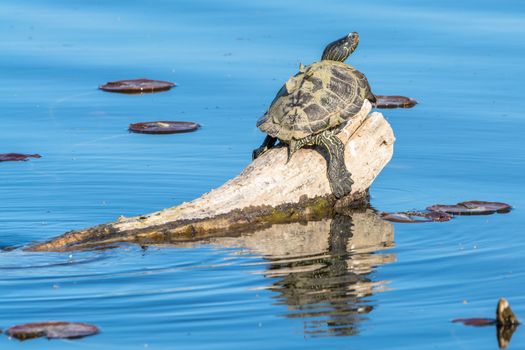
(268, 191)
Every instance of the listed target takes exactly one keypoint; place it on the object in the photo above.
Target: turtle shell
(321, 96)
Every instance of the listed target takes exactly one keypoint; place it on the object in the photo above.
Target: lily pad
(477, 322)
(416, 216)
(52, 330)
(163, 127)
(16, 157)
(472, 208)
(137, 86)
(395, 102)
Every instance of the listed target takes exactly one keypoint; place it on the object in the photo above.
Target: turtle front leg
(267, 144)
(334, 151)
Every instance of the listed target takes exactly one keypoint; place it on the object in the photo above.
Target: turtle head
(340, 49)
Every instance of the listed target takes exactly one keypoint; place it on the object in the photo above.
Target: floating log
(268, 191)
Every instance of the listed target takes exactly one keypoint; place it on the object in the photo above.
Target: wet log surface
(268, 191)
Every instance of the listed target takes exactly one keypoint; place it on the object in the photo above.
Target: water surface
(462, 61)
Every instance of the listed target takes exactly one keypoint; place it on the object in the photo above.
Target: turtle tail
(293, 146)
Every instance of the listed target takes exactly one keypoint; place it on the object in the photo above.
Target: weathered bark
(268, 191)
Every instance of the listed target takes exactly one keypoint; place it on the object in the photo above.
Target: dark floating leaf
(395, 102)
(477, 322)
(472, 208)
(163, 127)
(416, 216)
(15, 157)
(52, 330)
(137, 86)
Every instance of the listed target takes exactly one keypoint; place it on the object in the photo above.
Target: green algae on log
(187, 230)
(268, 191)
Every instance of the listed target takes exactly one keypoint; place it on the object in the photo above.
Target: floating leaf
(52, 330)
(163, 127)
(416, 216)
(395, 102)
(472, 208)
(477, 322)
(14, 157)
(137, 86)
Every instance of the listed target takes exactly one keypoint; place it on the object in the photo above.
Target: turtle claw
(289, 156)
(267, 144)
(256, 153)
(342, 187)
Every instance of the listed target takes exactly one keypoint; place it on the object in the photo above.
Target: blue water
(462, 60)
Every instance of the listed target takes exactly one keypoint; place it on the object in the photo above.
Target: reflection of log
(321, 270)
(268, 191)
(368, 234)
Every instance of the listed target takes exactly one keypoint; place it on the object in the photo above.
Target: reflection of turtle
(313, 103)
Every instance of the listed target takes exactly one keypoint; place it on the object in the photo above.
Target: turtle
(314, 104)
